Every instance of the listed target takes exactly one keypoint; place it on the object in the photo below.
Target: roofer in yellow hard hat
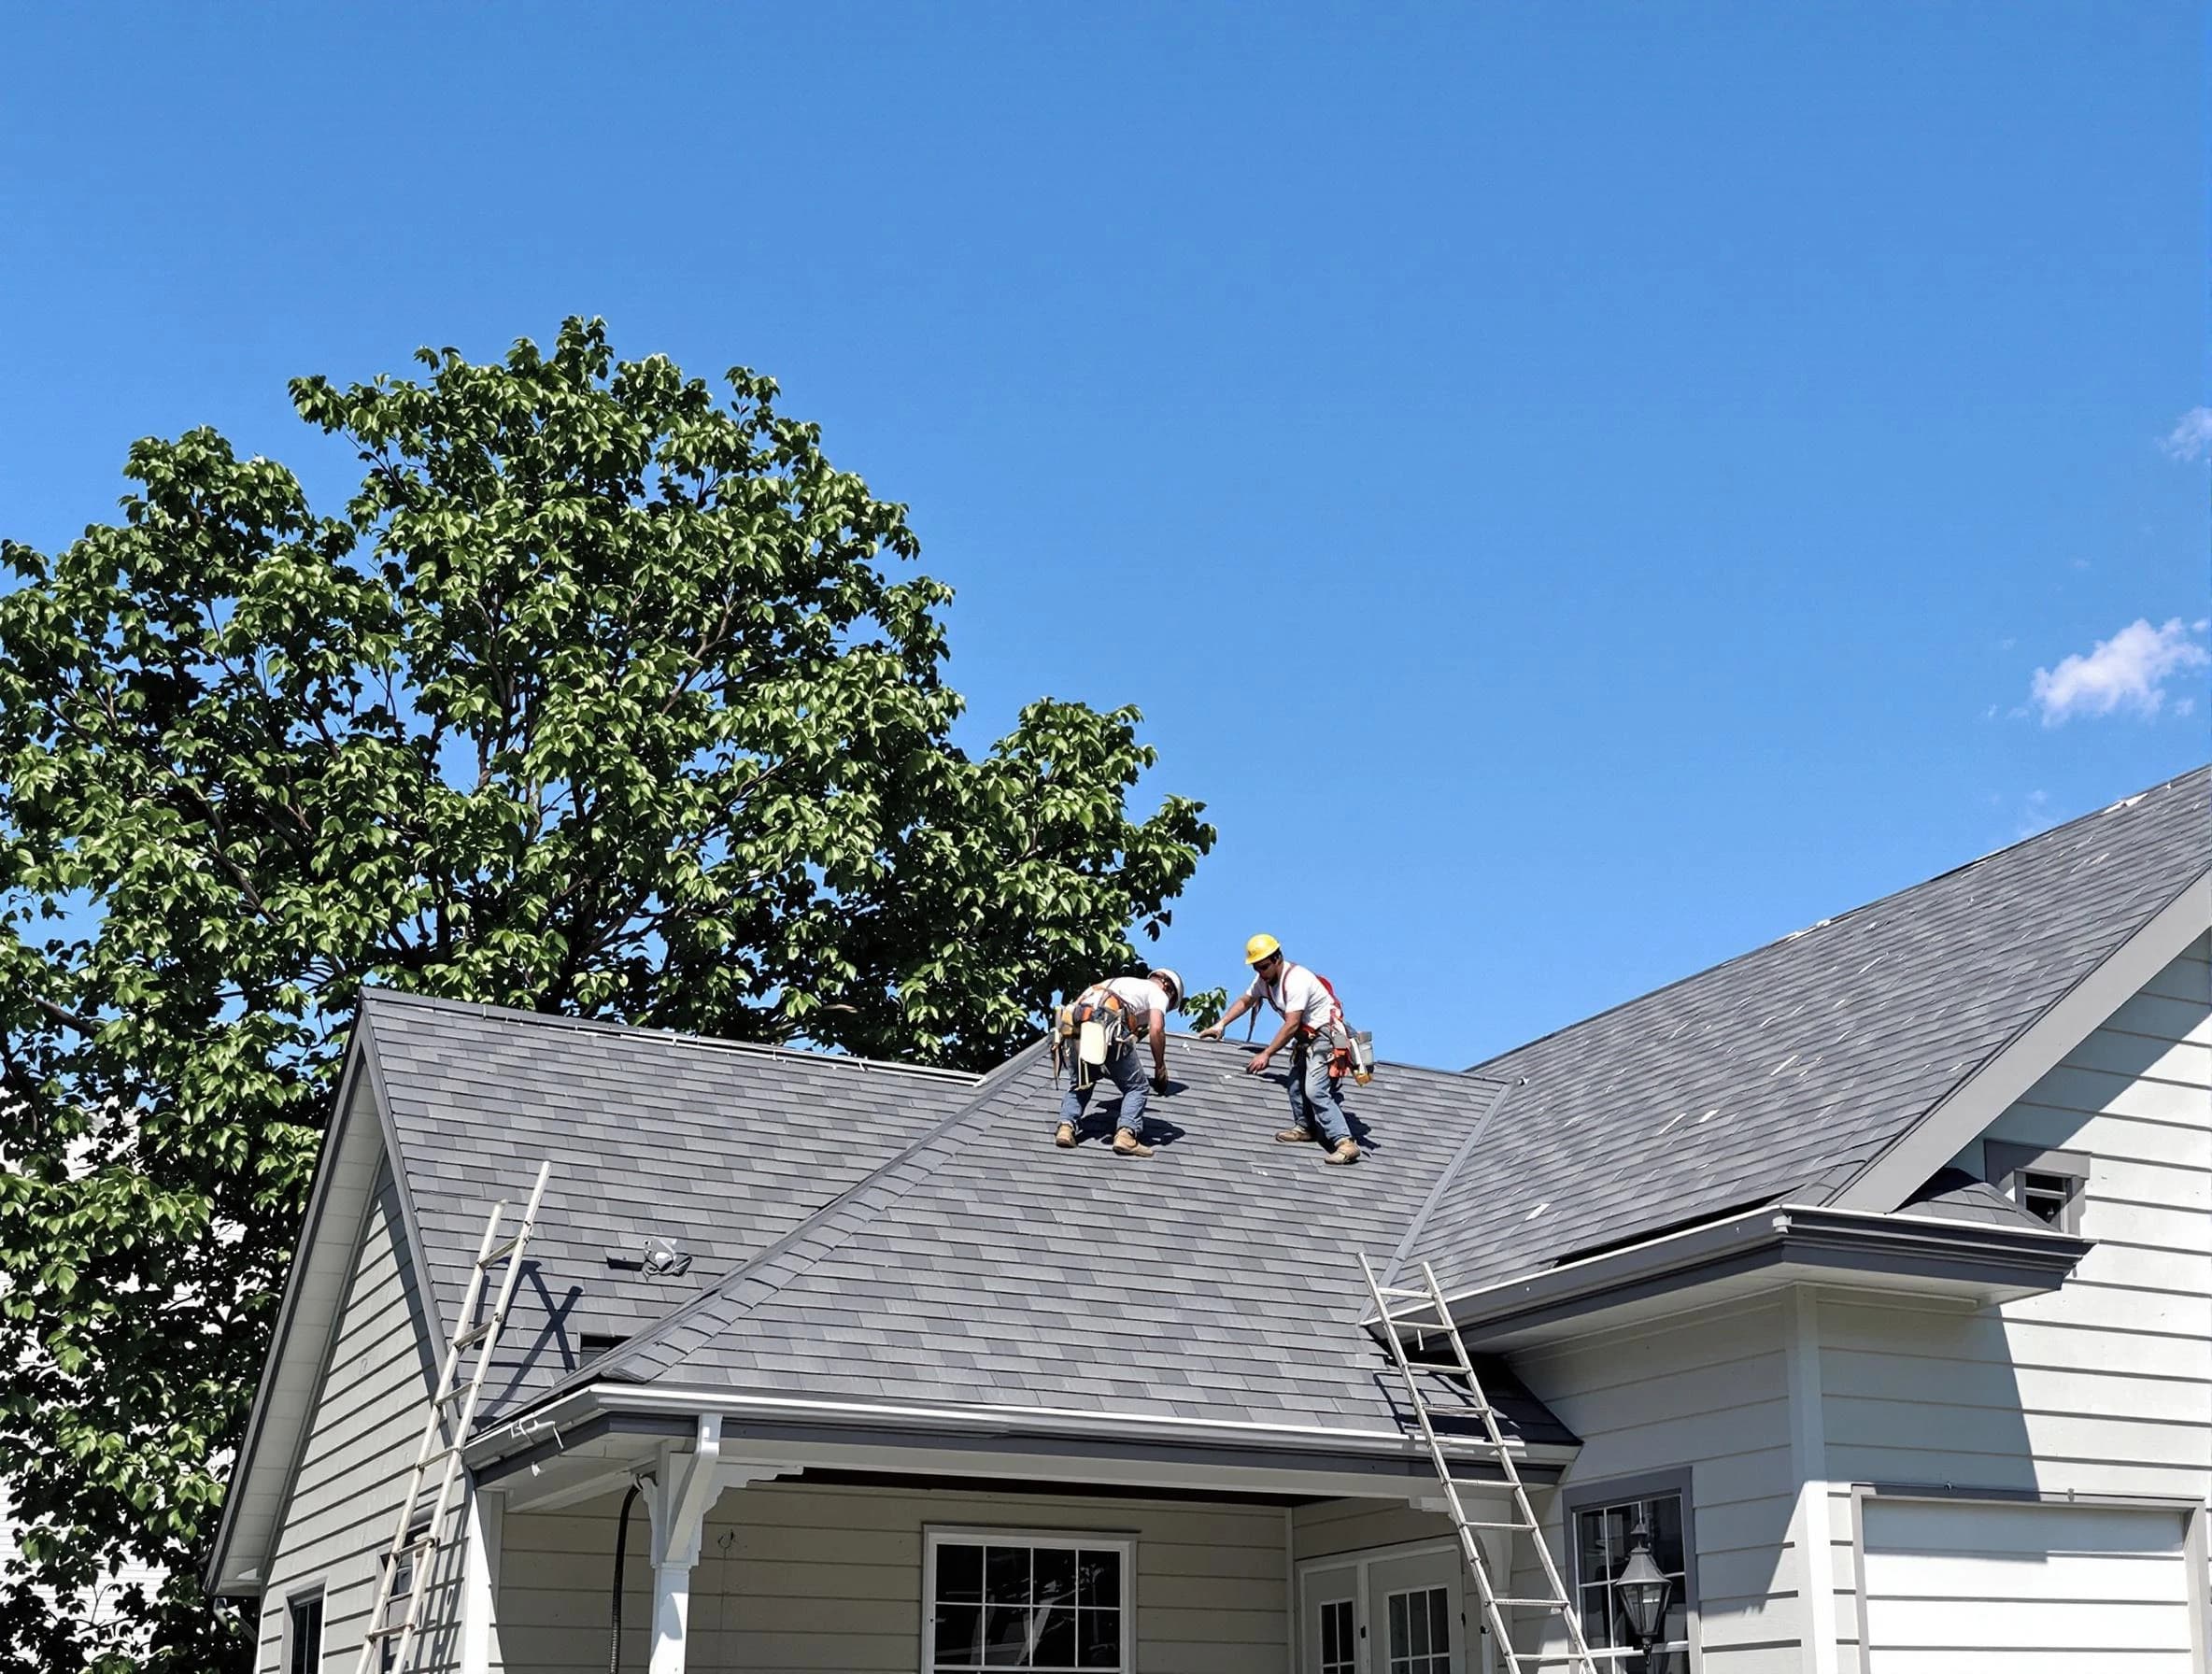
(1131, 1009)
(1313, 1029)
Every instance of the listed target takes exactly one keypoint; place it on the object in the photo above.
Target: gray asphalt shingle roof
(724, 1147)
(1799, 1061)
(1217, 1280)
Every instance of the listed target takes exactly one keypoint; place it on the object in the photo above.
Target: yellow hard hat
(1261, 946)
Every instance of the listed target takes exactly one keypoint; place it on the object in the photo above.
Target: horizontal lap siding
(1708, 1392)
(793, 1577)
(369, 1412)
(1343, 1525)
(2102, 1387)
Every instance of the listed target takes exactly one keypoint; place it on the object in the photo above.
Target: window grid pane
(1420, 1632)
(1602, 1551)
(1052, 1610)
(1339, 1638)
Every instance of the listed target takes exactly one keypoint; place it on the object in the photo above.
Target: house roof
(723, 1147)
(1783, 1073)
(1217, 1280)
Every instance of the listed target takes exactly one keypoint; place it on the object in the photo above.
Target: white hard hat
(1174, 981)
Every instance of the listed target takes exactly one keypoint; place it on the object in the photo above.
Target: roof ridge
(1822, 924)
(379, 995)
(754, 1274)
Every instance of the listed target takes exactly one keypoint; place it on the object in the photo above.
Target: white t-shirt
(1296, 992)
(1141, 994)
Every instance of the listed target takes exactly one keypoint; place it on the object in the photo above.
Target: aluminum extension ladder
(416, 1552)
(1427, 1305)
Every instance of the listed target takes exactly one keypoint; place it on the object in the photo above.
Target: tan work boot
(1296, 1136)
(1064, 1136)
(1347, 1149)
(1127, 1144)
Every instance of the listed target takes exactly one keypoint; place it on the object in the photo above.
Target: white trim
(1808, 1460)
(486, 1513)
(1959, 1117)
(935, 1534)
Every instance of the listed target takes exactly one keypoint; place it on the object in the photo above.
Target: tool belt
(1109, 1015)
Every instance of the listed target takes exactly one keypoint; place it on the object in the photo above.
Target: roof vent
(660, 1257)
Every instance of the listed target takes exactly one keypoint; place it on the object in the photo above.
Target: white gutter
(983, 1421)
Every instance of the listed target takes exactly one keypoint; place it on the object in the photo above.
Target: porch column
(486, 1513)
(676, 1499)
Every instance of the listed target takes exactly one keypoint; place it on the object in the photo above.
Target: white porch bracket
(677, 1497)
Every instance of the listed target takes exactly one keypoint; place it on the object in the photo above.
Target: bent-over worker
(1312, 1023)
(1140, 1004)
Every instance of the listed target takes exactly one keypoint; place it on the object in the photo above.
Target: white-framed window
(1417, 1631)
(1603, 1518)
(303, 1631)
(1340, 1637)
(1051, 1601)
(2049, 1184)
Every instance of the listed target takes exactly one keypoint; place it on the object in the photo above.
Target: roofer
(1313, 1029)
(1125, 1010)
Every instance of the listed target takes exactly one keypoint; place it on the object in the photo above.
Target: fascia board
(1794, 1242)
(1065, 1436)
(1955, 1122)
(338, 1165)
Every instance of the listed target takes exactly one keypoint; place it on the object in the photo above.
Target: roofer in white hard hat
(1314, 1029)
(1122, 1011)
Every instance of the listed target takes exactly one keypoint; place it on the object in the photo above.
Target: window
(1420, 1638)
(1339, 1637)
(2049, 1184)
(302, 1634)
(1059, 1604)
(1603, 1522)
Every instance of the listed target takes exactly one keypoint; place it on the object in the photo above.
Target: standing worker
(1313, 1026)
(1131, 1009)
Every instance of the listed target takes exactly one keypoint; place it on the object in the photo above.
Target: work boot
(1127, 1144)
(1347, 1149)
(1064, 1136)
(1295, 1136)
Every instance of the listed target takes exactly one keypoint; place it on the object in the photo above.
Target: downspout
(615, 1603)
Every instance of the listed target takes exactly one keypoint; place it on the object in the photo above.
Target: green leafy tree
(606, 695)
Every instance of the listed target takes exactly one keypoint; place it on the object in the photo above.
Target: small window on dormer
(2049, 1184)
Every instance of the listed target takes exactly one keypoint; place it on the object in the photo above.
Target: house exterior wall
(369, 1408)
(799, 1577)
(2103, 1387)
(1706, 1392)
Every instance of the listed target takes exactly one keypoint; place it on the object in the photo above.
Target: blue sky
(1588, 489)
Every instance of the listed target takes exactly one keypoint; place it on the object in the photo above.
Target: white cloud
(2129, 670)
(2192, 437)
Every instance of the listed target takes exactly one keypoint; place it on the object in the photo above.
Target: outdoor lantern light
(1642, 1589)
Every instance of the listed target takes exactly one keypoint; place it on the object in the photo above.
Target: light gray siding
(1342, 1525)
(1707, 1392)
(2102, 1387)
(369, 1407)
(796, 1577)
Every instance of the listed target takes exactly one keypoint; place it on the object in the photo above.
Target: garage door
(1979, 1587)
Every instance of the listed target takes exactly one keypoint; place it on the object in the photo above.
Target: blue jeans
(1313, 1101)
(1126, 1070)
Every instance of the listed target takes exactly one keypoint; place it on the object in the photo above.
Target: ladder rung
(1533, 1604)
(1521, 1528)
(475, 1333)
(387, 1631)
(500, 1251)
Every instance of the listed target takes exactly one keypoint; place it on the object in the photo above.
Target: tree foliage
(604, 694)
